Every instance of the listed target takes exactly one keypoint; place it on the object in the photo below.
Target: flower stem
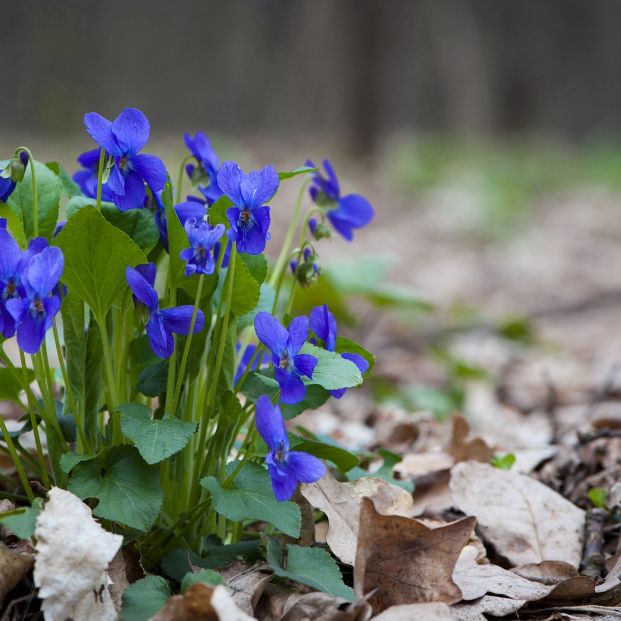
(188, 342)
(34, 423)
(33, 178)
(100, 170)
(109, 375)
(184, 161)
(21, 473)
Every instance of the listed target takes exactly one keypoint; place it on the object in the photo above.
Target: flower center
(284, 361)
(123, 164)
(39, 306)
(245, 216)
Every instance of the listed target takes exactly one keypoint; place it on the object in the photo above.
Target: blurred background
(487, 134)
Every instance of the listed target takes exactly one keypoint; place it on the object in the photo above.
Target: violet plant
(163, 350)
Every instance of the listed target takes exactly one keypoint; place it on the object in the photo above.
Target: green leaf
(139, 224)
(312, 566)
(11, 386)
(341, 458)
(217, 212)
(127, 488)
(302, 170)
(96, 255)
(49, 189)
(68, 461)
(155, 438)
(205, 576)
(143, 599)
(74, 333)
(345, 345)
(504, 462)
(177, 237)
(265, 303)
(70, 187)
(13, 224)
(245, 290)
(22, 521)
(256, 264)
(250, 497)
(332, 371)
(598, 497)
(152, 379)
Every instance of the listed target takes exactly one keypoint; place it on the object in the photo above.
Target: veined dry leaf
(489, 604)
(463, 449)
(13, 567)
(341, 503)
(202, 603)
(405, 562)
(246, 584)
(73, 554)
(409, 612)
(476, 580)
(525, 520)
(548, 572)
(325, 607)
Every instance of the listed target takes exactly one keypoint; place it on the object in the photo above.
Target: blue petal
(284, 482)
(292, 388)
(323, 323)
(298, 333)
(190, 209)
(353, 212)
(148, 270)
(252, 242)
(270, 424)
(142, 288)
(305, 364)
(10, 255)
(30, 332)
(306, 468)
(7, 322)
(152, 170)
(134, 193)
(44, 271)
(160, 337)
(87, 182)
(116, 180)
(229, 179)
(259, 186)
(51, 306)
(271, 333)
(100, 130)
(178, 319)
(17, 308)
(359, 361)
(131, 130)
(90, 159)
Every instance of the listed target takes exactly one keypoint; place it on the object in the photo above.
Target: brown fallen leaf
(548, 572)
(246, 584)
(341, 503)
(405, 562)
(324, 607)
(202, 603)
(489, 604)
(409, 612)
(478, 579)
(118, 579)
(461, 448)
(13, 567)
(525, 520)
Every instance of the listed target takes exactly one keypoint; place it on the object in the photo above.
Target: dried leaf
(202, 603)
(489, 604)
(525, 520)
(406, 562)
(463, 449)
(13, 567)
(73, 554)
(407, 612)
(246, 584)
(476, 580)
(341, 503)
(325, 607)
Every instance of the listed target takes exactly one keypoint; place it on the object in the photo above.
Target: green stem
(286, 246)
(34, 423)
(33, 178)
(117, 438)
(21, 473)
(68, 392)
(184, 161)
(188, 342)
(100, 170)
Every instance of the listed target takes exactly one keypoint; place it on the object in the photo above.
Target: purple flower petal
(160, 337)
(306, 468)
(134, 193)
(131, 130)
(178, 319)
(152, 170)
(270, 424)
(229, 178)
(358, 360)
(298, 333)
(305, 364)
(323, 323)
(259, 186)
(284, 482)
(141, 288)
(10, 255)
(292, 388)
(100, 130)
(44, 271)
(271, 333)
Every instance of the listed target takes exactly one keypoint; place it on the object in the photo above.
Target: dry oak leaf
(525, 520)
(476, 580)
(71, 566)
(488, 604)
(341, 503)
(246, 584)
(413, 612)
(202, 602)
(461, 448)
(13, 567)
(325, 607)
(399, 560)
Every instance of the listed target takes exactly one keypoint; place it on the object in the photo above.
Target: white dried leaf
(71, 566)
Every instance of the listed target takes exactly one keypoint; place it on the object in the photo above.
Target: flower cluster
(30, 295)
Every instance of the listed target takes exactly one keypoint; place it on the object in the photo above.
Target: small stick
(593, 557)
